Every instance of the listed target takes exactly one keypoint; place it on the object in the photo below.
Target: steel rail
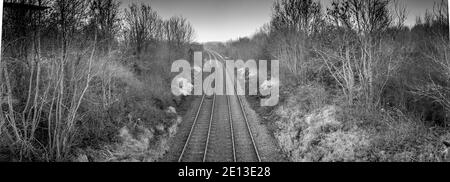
(242, 109)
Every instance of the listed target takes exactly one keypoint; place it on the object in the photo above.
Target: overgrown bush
(309, 129)
(386, 85)
(82, 74)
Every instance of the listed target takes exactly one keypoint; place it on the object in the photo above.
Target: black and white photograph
(224, 82)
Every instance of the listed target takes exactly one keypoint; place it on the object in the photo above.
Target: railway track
(220, 131)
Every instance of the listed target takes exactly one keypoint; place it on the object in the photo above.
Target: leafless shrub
(56, 85)
(367, 20)
(437, 85)
(341, 65)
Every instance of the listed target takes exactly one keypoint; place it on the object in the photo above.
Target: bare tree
(107, 18)
(297, 15)
(293, 24)
(69, 16)
(143, 26)
(341, 64)
(368, 20)
(56, 85)
(178, 33)
(400, 13)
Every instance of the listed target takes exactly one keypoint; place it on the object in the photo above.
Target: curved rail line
(209, 128)
(210, 124)
(242, 109)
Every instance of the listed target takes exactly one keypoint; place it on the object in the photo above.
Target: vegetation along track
(220, 131)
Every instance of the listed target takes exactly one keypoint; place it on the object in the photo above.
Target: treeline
(73, 72)
(147, 31)
(362, 48)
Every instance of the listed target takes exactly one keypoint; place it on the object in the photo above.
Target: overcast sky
(222, 20)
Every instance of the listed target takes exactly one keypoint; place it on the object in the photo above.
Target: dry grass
(309, 129)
